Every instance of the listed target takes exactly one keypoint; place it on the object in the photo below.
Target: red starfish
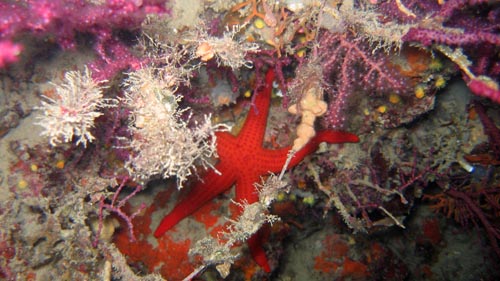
(243, 160)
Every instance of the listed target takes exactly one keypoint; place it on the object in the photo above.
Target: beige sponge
(310, 106)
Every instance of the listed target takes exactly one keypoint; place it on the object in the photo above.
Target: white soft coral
(162, 142)
(71, 113)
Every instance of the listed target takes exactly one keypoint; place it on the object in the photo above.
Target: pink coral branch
(490, 129)
(63, 18)
(114, 57)
(483, 89)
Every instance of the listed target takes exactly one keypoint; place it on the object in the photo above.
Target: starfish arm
(245, 191)
(328, 136)
(255, 123)
(226, 145)
(212, 185)
(275, 159)
(258, 254)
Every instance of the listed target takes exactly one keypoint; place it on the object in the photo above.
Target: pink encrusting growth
(9, 52)
(63, 20)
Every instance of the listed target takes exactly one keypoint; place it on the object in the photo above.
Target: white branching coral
(228, 50)
(71, 113)
(366, 21)
(162, 141)
(251, 219)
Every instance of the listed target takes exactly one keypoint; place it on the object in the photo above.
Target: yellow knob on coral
(60, 164)
(436, 65)
(382, 109)
(394, 98)
(281, 196)
(419, 92)
(259, 23)
(301, 52)
(309, 200)
(440, 82)
(22, 184)
(247, 94)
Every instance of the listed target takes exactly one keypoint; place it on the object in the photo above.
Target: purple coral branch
(451, 24)
(490, 129)
(115, 207)
(428, 37)
(468, 24)
(353, 66)
(492, 232)
(269, 58)
(452, 6)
